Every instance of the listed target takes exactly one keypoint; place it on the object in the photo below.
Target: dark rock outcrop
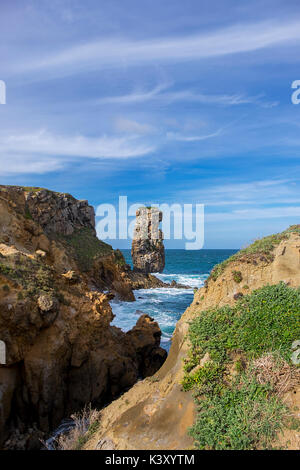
(148, 252)
(145, 338)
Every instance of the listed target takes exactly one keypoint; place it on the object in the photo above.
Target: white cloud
(133, 127)
(235, 39)
(42, 151)
(43, 142)
(27, 164)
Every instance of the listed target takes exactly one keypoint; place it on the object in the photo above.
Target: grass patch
(86, 247)
(260, 248)
(242, 410)
(86, 423)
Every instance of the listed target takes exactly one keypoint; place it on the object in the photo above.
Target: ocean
(167, 305)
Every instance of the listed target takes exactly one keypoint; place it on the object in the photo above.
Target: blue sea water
(167, 305)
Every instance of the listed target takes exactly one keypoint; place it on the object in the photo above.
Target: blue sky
(162, 101)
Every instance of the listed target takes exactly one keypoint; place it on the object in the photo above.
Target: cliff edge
(157, 413)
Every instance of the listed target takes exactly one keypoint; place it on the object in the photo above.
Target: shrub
(237, 276)
(244, 416)
(243, 410)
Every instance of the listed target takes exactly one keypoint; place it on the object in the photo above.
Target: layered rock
(56, 281)
(148, 253)
(59, 213)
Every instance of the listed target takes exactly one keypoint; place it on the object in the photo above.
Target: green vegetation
(86, 247)
(86, 423)
(260, 248)
(34, 278)
(28, 214)
(237, 276)
(120, 260)
(235, 411)
(244, 416)
(32, 189)
(82, 440)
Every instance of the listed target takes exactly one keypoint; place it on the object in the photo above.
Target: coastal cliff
(56, 281)
(157, 412)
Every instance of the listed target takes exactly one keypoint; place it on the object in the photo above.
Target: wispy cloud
(137, 96)
(254, 214)
(158, 93)
(27, 149)
(259, 192)
(119, 52)
(192, 138)
(269, 199)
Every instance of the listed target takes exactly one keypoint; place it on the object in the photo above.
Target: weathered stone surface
(148, 252)
(145, 338)
(47, 303)
(62, 352)
(71, 276)
(59, 213)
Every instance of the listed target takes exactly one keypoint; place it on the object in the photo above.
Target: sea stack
(148, 252)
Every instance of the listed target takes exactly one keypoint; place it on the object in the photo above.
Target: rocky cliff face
(55, 318)
(148, 253)
(157, 413)
(59, 214)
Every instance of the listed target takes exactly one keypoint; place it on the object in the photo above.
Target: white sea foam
(193, 280)
(165, 305)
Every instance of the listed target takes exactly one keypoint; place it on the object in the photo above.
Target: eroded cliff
(56, 281)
